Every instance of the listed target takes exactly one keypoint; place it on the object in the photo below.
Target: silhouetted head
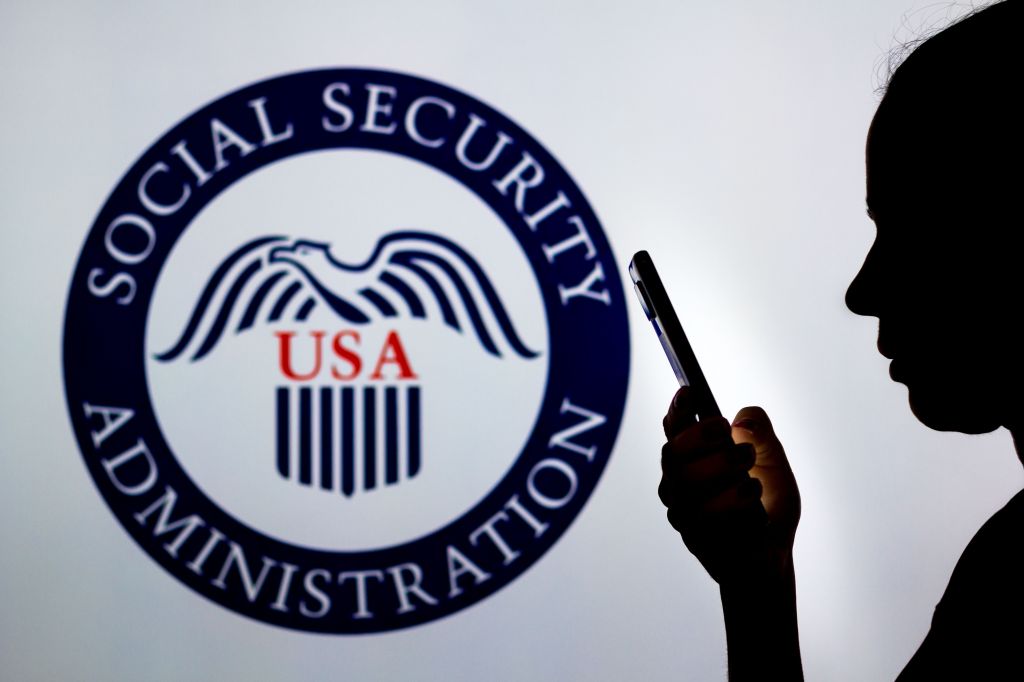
(944, 186)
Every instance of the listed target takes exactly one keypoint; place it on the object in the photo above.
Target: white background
(724, 137)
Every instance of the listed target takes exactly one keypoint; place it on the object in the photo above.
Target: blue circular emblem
(259, 420)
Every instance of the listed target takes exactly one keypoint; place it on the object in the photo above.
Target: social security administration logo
(346, 351)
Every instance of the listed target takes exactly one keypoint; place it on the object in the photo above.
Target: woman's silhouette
(945, 279)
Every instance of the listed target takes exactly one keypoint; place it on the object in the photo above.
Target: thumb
(753, 426)
(780, 495)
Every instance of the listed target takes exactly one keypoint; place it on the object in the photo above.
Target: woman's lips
(884, 349)
(894, 366)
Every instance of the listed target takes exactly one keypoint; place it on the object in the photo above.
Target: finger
(706, 480)
(732, 462)
(682, 413)
(700, 438)
(693, 483)
(738, 507)
(753, 426)
(736, 499)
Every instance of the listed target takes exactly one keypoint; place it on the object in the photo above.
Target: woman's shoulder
(993, 560)
(979, 622)
(1000, 535)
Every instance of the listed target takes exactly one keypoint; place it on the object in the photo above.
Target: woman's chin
(949, 408)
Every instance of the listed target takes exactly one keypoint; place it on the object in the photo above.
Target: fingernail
(747, 424)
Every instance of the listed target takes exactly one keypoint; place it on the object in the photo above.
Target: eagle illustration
(409, 274)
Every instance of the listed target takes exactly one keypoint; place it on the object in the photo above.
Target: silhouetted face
(942, 276)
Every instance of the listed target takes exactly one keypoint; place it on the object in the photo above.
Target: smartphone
(658, 308)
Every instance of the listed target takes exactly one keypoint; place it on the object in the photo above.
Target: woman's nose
(861, 296)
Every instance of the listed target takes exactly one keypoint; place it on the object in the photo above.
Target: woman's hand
(731, 494)
(729, 490)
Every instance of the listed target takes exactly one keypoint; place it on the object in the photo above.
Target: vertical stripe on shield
(345, 439)
(413, 429)
(282, 432)
(305, 435)
(391, 435)
(348, 426)
(326, 442)
(369, 437)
